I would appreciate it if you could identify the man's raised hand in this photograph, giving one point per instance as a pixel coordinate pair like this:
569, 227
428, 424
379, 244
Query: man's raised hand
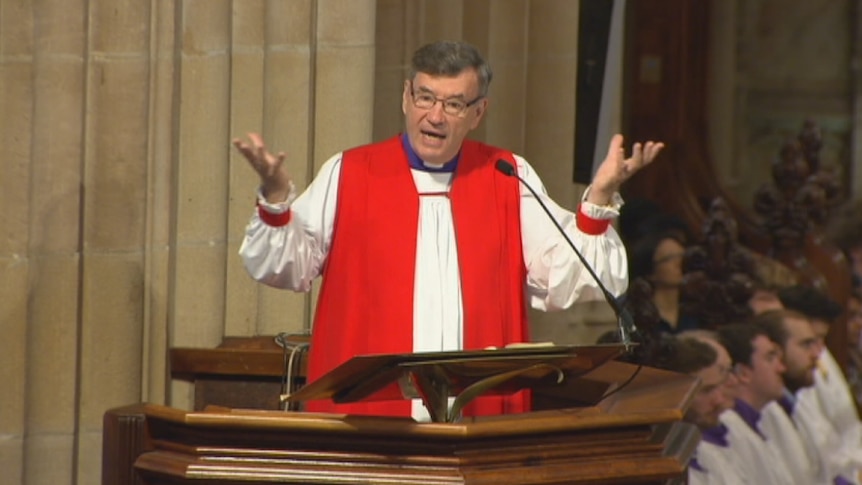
274, 179
616, 168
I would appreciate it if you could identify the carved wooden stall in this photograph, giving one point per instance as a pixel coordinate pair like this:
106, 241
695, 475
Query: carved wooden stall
786, 229
785, 222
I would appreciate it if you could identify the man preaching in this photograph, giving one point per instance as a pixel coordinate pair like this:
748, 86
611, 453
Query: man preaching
422, 244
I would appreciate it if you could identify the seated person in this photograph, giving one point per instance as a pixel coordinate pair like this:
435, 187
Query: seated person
710, 337
764, 298
769, 278
758, 367
713, 461
808, 429
657, 258
831, 389
854, 344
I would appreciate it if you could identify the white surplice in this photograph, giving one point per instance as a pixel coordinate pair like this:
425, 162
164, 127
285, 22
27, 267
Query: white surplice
840, 458
757, 458
719, 466
803, 462
291, 256
834, 399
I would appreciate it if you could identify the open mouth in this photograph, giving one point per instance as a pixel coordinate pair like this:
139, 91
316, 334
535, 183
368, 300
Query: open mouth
431, 134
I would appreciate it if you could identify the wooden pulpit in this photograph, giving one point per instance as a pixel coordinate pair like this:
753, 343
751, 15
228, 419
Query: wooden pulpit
634, 434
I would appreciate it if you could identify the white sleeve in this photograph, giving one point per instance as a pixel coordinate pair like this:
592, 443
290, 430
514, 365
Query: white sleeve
292, 255
556, 278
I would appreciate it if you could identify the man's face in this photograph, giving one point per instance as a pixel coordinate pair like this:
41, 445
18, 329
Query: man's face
714, 395
730, 384
800, 353
667, 263
435, 135
764, 375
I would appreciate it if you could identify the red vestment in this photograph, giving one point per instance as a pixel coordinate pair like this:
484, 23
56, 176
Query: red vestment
365, 304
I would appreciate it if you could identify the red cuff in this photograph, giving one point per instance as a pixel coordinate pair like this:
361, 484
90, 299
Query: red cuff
591, 226
274, 220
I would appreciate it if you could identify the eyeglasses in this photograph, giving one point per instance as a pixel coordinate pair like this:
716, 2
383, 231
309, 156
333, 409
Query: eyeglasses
451, 106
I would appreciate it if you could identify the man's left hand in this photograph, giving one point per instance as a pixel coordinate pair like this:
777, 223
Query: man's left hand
616, 168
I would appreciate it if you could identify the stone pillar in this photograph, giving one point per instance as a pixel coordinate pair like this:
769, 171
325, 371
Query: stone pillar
200, 168
123, 203
16, 103
550, 95
54, 239
499, 29
114, 218
305, 81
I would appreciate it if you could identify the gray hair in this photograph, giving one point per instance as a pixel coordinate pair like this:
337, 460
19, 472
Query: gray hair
450, 58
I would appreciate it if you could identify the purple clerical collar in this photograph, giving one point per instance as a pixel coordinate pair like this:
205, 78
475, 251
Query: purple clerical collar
416, 163
748, 414
717, 435
696, 465
787, 401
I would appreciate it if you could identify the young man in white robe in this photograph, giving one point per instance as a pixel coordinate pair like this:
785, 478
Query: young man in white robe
831, 391
699, 354
758, 368
834, 462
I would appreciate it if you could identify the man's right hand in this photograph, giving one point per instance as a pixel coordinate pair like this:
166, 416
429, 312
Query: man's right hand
274, 180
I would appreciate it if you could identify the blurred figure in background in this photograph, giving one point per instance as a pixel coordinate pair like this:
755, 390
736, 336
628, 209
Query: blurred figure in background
831, 392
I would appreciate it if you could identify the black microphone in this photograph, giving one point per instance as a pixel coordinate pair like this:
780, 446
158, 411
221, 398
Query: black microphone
625, 322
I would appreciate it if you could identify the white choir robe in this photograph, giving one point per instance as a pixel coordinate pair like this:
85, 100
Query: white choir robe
835, 400
291, 256
757, 459
801, 460
834, 452
719, 466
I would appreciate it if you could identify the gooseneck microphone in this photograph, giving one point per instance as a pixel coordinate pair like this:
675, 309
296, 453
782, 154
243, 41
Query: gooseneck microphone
625, 322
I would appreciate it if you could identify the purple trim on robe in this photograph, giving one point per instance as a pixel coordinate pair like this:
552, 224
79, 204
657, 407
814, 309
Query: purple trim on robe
748, 414
416, 163
787, 401
839, 480
693, 463
717, 435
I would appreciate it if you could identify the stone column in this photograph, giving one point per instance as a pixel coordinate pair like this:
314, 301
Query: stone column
17, 49
54, 239
114, 212
499, 29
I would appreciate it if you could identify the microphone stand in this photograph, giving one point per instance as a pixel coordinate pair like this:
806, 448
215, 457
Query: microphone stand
625, 322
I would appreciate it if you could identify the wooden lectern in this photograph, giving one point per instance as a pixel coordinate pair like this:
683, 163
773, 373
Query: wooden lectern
634, 435
445, 382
